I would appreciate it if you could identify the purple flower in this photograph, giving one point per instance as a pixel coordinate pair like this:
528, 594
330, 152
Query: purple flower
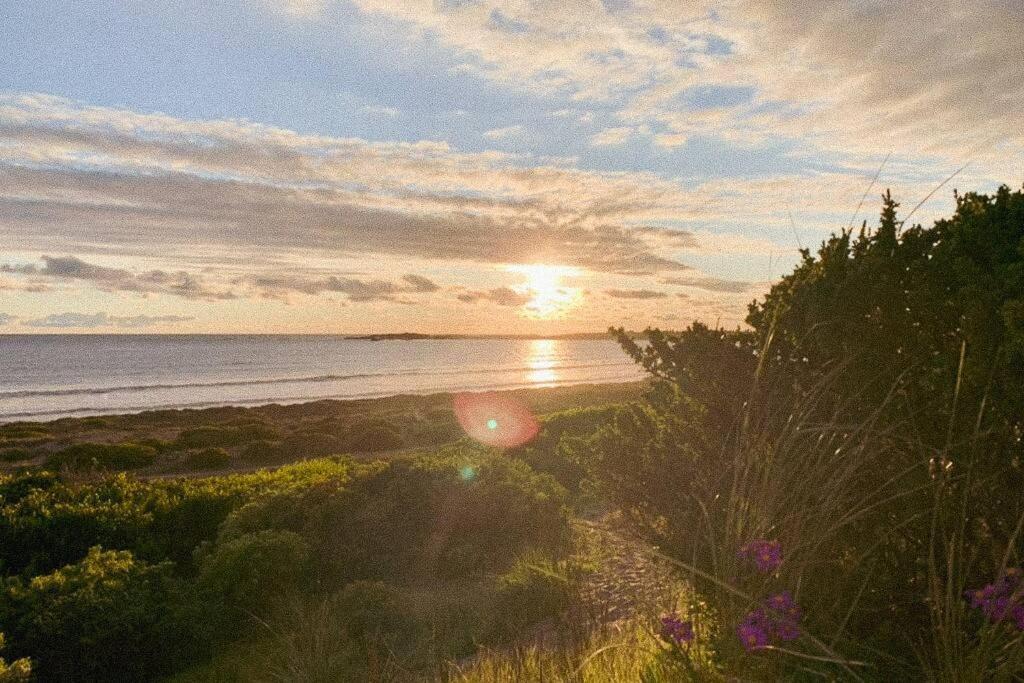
766, 555
783, 604
998, 608
1018, 617
786, 631
755, 630
1001, 599
752, 635
785, 615
675, 630
778, 620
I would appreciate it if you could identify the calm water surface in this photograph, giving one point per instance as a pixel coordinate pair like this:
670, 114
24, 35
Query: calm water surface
49, 376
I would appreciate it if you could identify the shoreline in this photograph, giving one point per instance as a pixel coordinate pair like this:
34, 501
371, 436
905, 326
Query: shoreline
54, 416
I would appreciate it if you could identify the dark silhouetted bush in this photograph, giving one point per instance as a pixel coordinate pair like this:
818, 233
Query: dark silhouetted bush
302, 445
371, 436
206, 437
16, 454
262, 451
208, 458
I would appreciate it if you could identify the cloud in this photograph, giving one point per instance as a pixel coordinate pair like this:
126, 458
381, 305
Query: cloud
300, 8
377, 110
635, 294
180, 283
354, 289
33, 285
710, 284
671, 140
7, 318
190, 286
844, 76
84, 320
418, 283
502, 296
504, 133
154, 185
612, 136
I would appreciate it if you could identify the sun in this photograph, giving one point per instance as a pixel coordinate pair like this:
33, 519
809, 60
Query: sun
549, 297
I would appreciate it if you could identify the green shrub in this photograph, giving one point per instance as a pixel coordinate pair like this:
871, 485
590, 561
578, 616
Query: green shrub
370, 611
45, 523
253, 573
158, 445
256, 431
99, 619
534, 589
550, 451
302, 445
262, 451
362, 633
208, 458
94, 423
122, 456
13, 489
450, 514
24, 430
16, 454
206, 437
371, 436
15, 672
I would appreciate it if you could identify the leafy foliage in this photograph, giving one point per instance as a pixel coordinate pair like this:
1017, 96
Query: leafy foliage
16, 671
870, 422
96, 619
194, 564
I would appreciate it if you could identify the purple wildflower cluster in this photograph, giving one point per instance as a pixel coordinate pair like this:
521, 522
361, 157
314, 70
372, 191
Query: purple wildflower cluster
766, 555
675, 630
777, 620
1002, 599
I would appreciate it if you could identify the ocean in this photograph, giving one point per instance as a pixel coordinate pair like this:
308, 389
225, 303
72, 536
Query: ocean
45, 377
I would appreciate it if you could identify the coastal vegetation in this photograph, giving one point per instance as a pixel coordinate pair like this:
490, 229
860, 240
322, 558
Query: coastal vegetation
835, 492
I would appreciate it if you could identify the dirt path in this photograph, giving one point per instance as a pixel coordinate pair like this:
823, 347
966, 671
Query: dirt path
627, 581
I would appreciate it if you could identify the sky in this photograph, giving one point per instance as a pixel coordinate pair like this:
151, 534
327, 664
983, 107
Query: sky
466, 166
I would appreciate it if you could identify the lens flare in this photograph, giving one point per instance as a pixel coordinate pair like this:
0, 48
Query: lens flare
495, 419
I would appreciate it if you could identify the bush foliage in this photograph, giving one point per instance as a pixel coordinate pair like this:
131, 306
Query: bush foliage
128, 580
870, 423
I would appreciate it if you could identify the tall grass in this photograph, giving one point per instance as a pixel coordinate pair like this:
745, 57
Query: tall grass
881, 535
631, 654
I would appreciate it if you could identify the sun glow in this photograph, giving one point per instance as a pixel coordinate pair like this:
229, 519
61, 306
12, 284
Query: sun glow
549, 298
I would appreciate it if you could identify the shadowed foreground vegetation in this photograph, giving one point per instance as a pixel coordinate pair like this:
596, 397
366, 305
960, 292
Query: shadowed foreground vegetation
835, 493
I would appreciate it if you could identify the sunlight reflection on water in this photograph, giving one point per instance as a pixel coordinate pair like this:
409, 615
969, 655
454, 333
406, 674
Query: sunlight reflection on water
541, 359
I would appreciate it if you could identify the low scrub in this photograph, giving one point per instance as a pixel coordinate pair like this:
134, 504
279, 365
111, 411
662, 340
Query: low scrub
103, 456
100, 619
208, 459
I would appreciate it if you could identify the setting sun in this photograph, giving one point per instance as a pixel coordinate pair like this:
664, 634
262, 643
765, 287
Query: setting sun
549, 297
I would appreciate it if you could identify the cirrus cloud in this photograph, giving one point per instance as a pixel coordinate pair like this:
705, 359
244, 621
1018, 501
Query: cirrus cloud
94, 320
